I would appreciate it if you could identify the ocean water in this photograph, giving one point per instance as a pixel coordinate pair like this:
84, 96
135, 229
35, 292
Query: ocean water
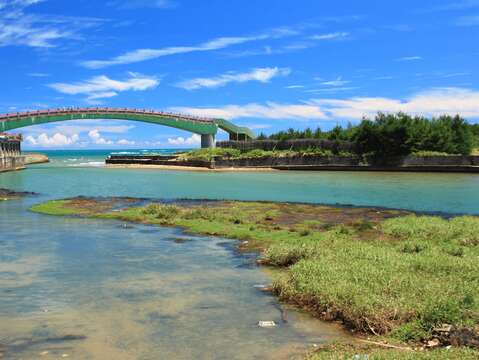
72, 173
91, 289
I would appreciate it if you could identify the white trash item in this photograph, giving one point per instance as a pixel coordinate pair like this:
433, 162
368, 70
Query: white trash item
266, 324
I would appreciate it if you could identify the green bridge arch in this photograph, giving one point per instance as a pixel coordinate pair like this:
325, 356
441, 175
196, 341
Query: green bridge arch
206, 127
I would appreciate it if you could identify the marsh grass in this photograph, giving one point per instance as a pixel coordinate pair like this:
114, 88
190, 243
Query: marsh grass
398, 277
361, 352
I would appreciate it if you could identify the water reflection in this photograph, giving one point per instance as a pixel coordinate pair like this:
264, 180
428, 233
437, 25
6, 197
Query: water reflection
91, 289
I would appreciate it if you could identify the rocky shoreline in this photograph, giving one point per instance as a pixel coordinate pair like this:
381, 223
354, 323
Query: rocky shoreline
6, 194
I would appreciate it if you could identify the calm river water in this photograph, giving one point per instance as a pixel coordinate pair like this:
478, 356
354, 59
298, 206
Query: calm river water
92, 289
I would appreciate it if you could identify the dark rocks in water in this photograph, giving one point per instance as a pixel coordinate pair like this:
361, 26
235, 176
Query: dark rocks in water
179, 240
26, 343
65, 338
11, 193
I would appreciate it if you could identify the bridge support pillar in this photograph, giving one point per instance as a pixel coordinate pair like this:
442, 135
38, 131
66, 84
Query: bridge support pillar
208, 141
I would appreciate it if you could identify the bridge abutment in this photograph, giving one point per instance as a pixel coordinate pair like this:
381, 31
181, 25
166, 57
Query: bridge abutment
10, 153
208, 141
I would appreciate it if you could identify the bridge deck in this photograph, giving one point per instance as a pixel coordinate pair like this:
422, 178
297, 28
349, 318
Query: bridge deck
195, 124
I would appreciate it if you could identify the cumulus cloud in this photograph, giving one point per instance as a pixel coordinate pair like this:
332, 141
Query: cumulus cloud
194, 139
259, 74
125, 142
97, 139
434, 102
76, 127
269, 110
57, 140
100, 87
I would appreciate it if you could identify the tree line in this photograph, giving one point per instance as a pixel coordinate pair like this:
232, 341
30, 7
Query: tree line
397, 135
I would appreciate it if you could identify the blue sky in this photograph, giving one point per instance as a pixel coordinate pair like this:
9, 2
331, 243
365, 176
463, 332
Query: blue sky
269, 64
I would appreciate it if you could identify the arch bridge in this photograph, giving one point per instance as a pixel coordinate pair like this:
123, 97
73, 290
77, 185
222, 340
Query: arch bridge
206, 127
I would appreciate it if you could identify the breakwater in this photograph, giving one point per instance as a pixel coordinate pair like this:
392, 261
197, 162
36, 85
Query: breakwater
10, 153
456, 163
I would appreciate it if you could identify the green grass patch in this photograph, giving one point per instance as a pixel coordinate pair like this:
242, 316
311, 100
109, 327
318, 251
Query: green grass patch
225, 153
397, 277
358, 352
55, 207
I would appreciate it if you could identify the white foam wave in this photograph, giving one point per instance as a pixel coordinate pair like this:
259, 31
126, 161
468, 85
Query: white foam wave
89, 164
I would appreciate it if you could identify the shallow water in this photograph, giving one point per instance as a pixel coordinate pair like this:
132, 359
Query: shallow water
135, 292
97, 290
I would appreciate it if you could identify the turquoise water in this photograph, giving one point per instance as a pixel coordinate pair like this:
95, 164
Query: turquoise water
94, 289
73, 173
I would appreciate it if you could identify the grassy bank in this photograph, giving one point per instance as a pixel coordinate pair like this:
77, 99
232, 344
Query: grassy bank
381, 272
225, 153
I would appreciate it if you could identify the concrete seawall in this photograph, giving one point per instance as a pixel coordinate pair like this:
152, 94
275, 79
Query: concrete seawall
11, 157
316, 162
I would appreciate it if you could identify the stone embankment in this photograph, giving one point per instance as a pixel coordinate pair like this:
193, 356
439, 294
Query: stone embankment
10, 153
316, 162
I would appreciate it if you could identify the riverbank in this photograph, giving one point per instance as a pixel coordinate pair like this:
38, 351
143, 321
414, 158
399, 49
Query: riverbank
232, 159
188, 168
383, 273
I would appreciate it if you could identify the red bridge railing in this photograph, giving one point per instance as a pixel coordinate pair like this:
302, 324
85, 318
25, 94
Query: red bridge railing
66, 111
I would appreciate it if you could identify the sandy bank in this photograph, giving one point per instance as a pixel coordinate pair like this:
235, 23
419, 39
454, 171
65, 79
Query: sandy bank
31, 159
188, 168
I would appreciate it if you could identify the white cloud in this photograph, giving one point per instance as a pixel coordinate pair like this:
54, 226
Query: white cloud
270, 110
38, 74
330, 36
259, 74
18, 28
338, 82
410, 58
57, 140
100, 87
80, 128
295, 87
435, 102
97, 139
125, 142
194, 139
214, 44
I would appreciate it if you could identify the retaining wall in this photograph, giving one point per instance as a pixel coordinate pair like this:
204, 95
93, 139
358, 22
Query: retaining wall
317, 162
10, 154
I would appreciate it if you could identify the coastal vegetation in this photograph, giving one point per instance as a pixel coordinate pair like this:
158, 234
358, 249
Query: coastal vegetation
233, 154
393, 275
390, 135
